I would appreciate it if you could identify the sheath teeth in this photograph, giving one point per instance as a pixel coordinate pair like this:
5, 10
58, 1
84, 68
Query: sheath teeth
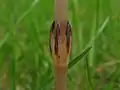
60, 42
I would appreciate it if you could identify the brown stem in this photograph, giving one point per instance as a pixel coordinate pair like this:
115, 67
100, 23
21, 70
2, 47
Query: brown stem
60, 59
61, 77
61, 7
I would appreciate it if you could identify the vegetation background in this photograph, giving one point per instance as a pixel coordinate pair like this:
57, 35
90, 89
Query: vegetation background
25, 61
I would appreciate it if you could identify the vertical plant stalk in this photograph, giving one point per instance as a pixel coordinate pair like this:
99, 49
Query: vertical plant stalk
61, 7
60, 77
93, 31
60, 44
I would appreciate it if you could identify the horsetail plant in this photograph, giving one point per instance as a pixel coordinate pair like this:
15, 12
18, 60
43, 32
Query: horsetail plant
60, 44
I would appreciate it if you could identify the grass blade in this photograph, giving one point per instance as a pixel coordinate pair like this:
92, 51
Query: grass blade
26, 12
88, 73
77, 58
4, 40
100, 30
89, 46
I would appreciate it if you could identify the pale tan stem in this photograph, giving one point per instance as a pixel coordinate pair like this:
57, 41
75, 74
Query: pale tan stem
60, 77
60, 65
61, 7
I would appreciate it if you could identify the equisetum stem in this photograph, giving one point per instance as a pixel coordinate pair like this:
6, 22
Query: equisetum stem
61, 7
60, 42
60, 47
61, 77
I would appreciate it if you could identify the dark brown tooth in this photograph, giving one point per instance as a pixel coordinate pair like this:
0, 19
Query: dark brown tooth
51, 33
68, 35
52, 26
50, 43
57, 30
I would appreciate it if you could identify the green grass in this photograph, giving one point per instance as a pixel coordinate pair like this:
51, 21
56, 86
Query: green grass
24, 44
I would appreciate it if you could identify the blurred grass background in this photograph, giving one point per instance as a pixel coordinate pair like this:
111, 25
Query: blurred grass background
25, 61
